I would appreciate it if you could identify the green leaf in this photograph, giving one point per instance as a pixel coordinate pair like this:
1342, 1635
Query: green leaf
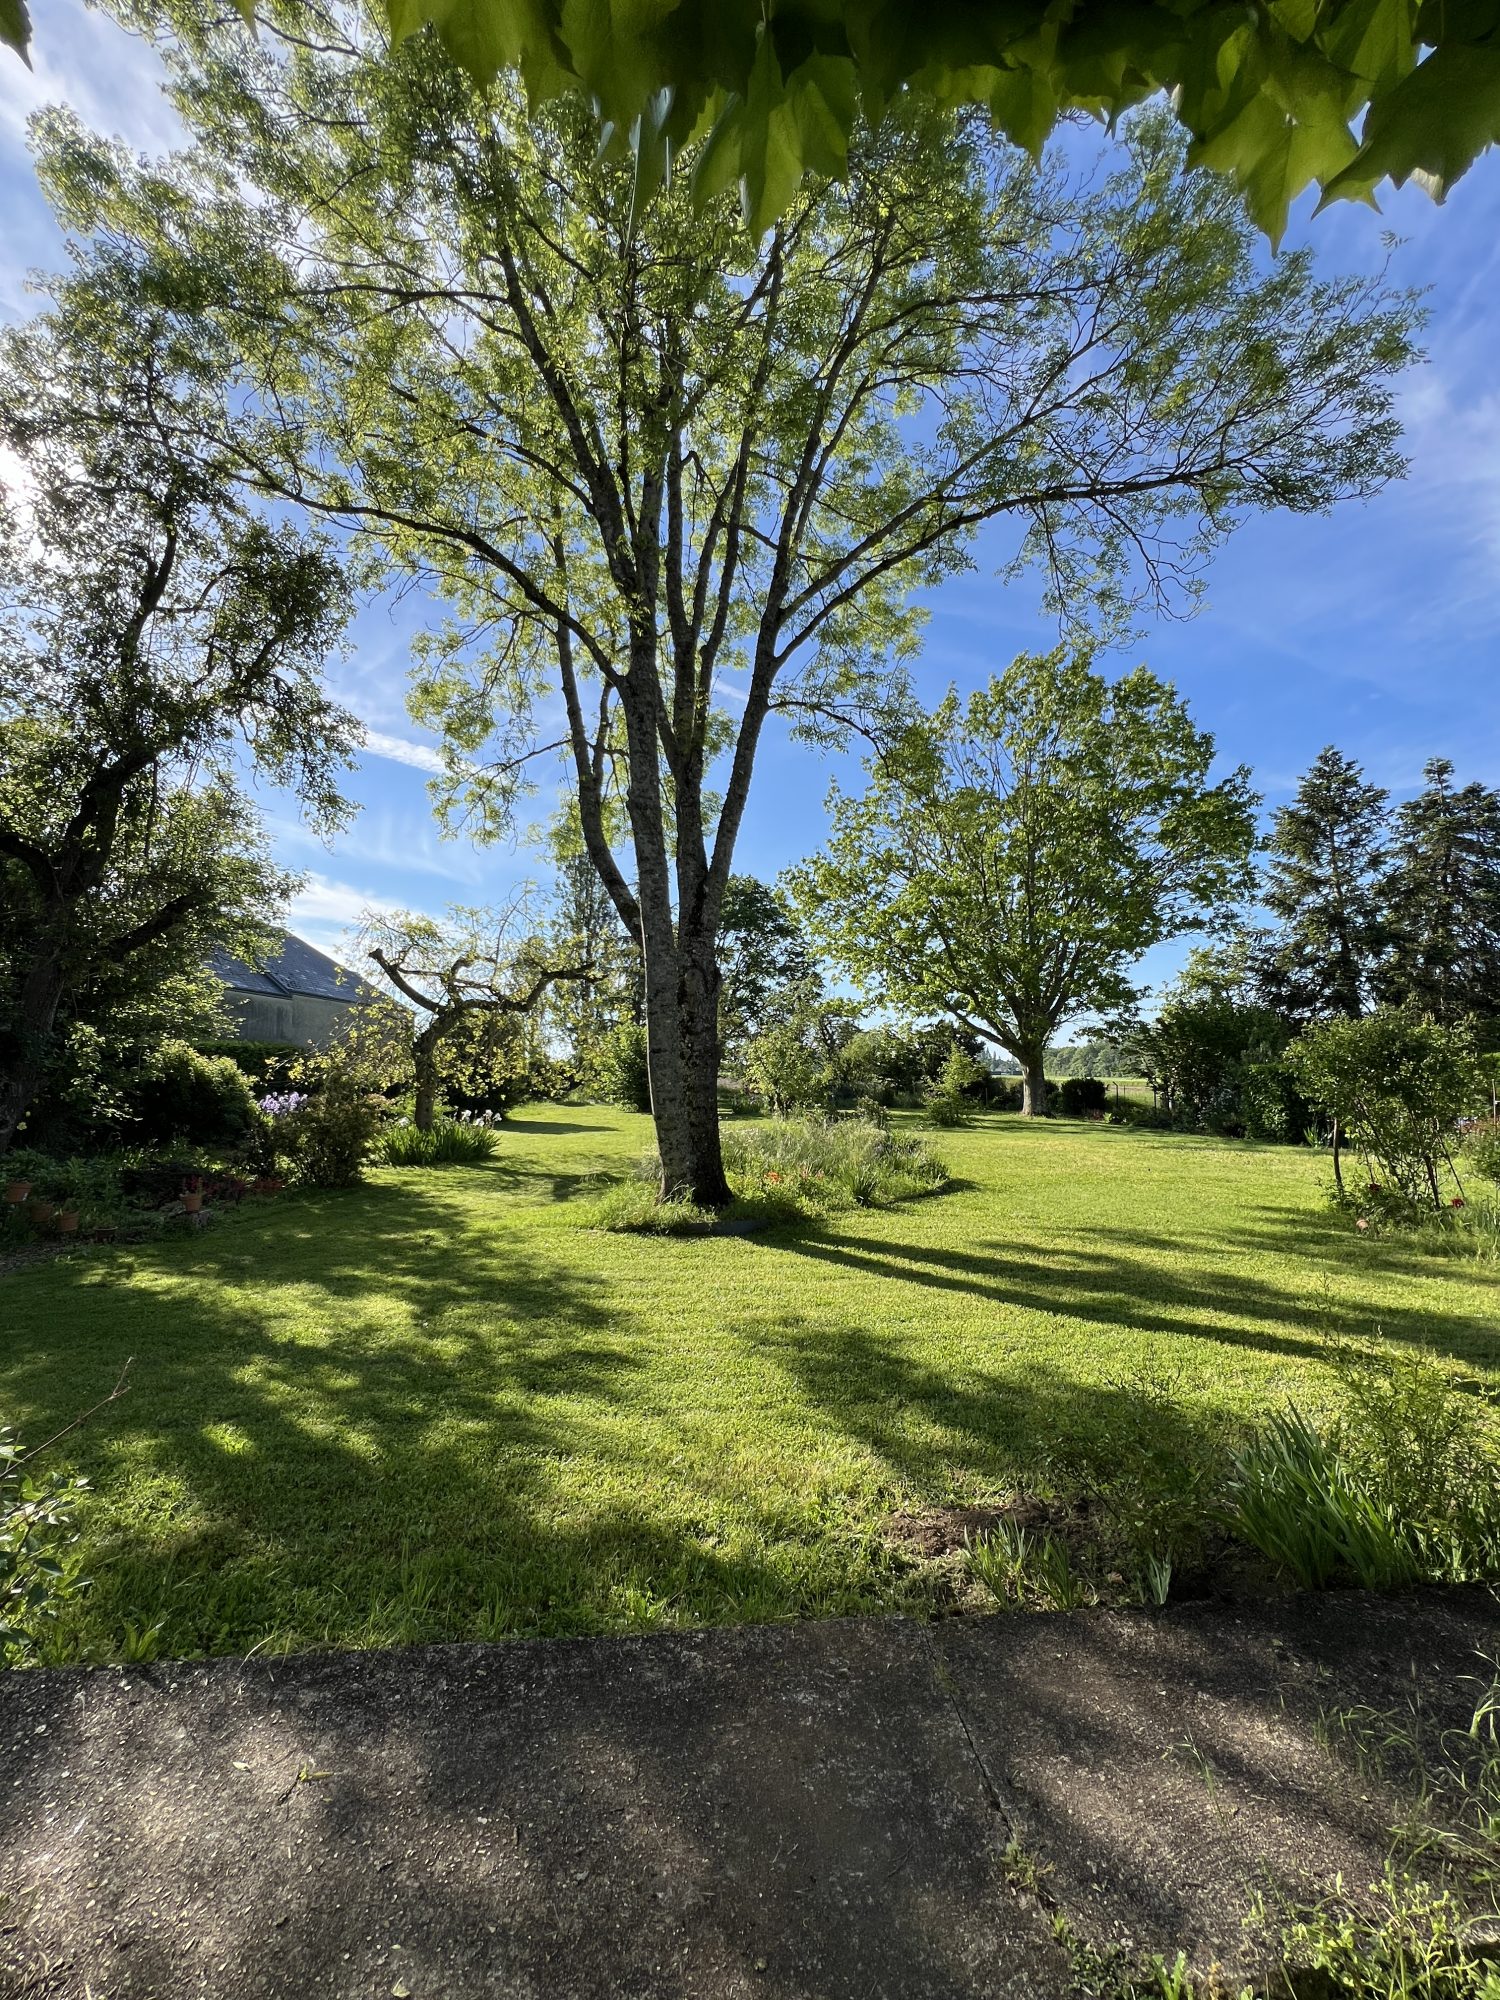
1024, 107
15, 28
1374, 40
1433, 125
771, 144
824, 96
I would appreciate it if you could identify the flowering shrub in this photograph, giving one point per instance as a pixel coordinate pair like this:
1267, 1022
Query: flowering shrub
282, 1103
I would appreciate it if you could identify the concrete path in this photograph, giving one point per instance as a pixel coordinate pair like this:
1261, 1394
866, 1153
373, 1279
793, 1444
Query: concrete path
862, 1808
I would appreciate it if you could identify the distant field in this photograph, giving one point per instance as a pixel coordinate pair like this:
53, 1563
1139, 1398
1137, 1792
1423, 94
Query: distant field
437, 1407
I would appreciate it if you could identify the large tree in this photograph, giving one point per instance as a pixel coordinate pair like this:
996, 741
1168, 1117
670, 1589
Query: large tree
1326, 853
675, 480
1442, 901
154, 635
1272, 93
1013, 854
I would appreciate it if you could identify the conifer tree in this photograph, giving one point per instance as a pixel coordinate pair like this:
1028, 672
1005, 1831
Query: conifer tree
1323, 883
1442, 896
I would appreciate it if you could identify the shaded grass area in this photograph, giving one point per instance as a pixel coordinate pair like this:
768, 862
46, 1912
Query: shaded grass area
437, 1407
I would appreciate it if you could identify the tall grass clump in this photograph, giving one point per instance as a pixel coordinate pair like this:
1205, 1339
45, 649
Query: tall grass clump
1401, 1486
448, 1144
825, 1164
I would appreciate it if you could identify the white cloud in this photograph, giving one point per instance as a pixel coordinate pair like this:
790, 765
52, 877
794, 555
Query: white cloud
401, 750
80, 58
324, 902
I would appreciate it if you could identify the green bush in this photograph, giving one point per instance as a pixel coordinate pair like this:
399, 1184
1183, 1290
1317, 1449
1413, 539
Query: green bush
947, 1098
1397, 1086
620, 1073
1082, 1096
450, 1143
268, 1065
328, 1139
1481, 1150
1403, 1485
199, 1100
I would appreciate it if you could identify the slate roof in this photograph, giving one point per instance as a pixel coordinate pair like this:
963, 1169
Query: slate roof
297, 968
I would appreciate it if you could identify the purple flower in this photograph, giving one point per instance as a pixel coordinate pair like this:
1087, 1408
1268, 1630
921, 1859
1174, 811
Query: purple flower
281, 1104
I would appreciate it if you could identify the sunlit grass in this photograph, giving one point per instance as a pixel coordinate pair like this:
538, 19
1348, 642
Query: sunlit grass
439, 1407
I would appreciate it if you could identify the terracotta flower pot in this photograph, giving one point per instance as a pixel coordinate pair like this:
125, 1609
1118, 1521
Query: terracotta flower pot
40, 1212
191, 1203
17, 1191
66, 1221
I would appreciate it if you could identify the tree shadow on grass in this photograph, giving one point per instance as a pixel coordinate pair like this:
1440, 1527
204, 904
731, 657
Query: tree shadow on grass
1142, 1291
420, 1428
935, 1429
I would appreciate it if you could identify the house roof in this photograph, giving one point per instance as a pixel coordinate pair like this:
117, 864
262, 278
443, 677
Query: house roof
295, 968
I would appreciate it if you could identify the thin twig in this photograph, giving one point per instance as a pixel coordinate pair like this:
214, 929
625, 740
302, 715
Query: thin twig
121, 1388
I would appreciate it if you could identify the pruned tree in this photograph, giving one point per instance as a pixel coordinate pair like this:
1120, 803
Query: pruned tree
675, 481
1013, 855
469, 967
154, 634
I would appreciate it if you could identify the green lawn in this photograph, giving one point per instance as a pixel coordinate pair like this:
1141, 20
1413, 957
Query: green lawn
437, 1407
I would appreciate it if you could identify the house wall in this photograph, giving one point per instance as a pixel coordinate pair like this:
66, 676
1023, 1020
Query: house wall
298, 1017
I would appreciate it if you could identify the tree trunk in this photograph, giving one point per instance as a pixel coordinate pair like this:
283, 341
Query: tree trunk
700, 1035
1034, 1085
424, 1062
36, 1017
424, 1116
682, 1061
681, 976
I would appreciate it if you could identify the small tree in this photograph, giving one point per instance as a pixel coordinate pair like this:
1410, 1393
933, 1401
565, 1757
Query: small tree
470, 966
1014, 854
1395, 1086
764, 961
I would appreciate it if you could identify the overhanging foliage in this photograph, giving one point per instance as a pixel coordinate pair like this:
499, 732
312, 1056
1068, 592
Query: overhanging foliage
1279, 93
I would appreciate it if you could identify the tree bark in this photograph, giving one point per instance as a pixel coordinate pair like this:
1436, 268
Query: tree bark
424, 1052
424, 1112
700, 1038
1034, 1084
36, 1017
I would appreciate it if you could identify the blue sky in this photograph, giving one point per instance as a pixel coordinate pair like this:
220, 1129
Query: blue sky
1377, 628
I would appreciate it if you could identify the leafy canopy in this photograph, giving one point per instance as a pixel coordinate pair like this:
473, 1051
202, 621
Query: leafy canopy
1013, 854
155, 634
675, 481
